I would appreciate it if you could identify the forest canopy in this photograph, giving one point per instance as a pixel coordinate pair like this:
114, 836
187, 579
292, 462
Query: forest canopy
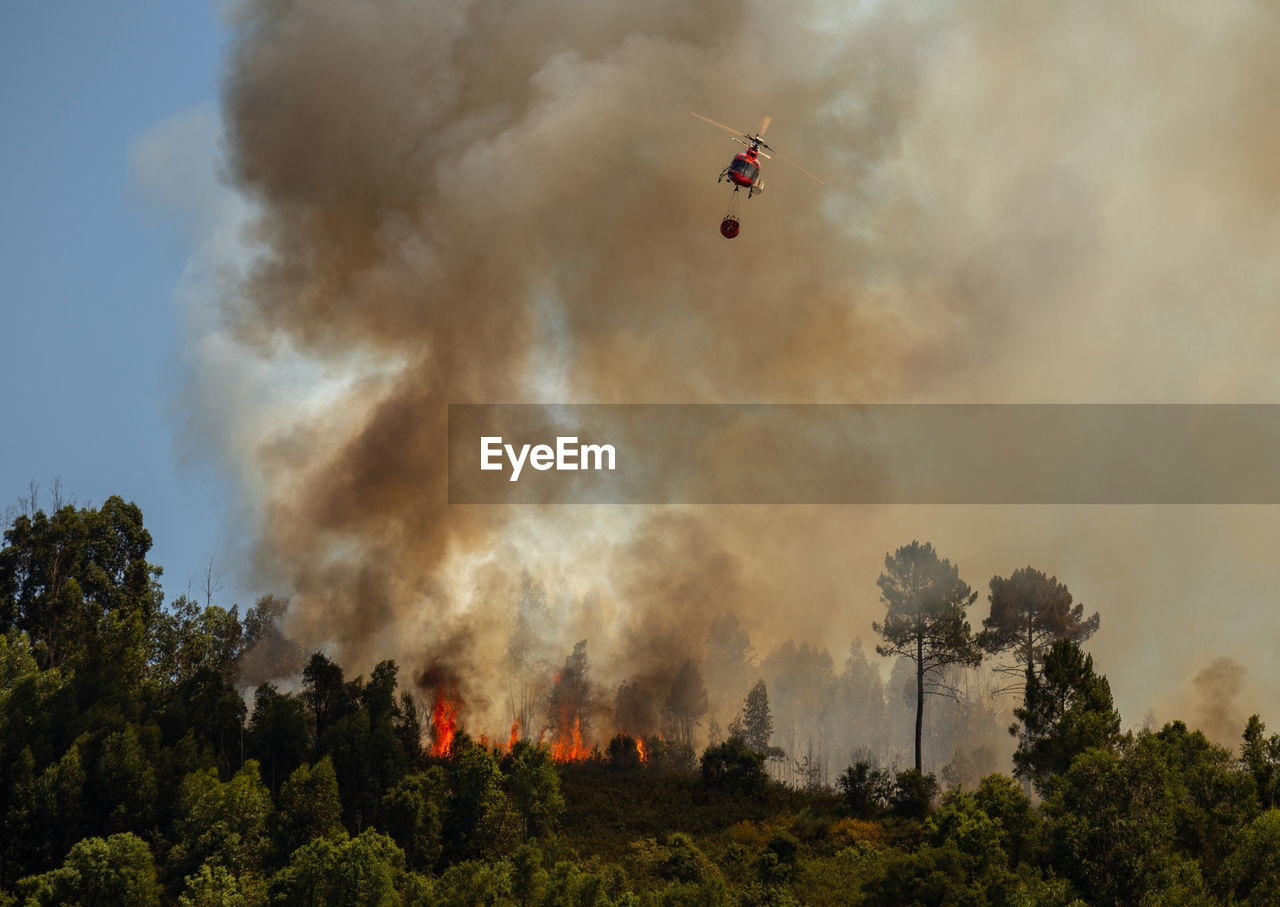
145, 760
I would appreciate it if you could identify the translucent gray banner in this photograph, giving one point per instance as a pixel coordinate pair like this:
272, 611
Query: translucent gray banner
864, 454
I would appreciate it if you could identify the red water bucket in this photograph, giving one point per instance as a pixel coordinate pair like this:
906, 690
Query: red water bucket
729, 227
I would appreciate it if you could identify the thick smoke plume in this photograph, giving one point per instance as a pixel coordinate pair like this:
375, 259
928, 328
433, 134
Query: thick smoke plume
507, 202
485, 204
1219, 714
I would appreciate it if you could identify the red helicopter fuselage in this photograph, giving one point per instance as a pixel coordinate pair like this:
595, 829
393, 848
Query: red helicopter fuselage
745, 169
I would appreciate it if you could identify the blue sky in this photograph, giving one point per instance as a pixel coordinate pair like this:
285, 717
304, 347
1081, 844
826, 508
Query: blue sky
91, 330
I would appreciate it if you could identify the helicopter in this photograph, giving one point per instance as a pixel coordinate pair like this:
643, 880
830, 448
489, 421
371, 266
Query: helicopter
744, 170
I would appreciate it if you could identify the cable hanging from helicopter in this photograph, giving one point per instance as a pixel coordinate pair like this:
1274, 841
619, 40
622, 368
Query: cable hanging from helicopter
729, 224
744, 170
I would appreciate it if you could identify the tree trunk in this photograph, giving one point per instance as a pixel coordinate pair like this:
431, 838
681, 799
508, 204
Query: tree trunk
1031, 670
1026, 730
919, 696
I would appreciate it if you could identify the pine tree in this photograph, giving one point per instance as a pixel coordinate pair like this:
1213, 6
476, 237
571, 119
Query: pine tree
925, 622
1068, 709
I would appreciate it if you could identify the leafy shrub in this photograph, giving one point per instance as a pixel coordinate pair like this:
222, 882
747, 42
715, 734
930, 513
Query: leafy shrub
735, 767
913, 794
865, 790
848, 832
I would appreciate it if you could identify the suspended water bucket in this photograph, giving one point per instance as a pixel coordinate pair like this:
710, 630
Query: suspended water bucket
729, 227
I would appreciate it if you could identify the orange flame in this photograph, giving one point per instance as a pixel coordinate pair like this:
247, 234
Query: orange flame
444, 722
498, 747
568, 744
644, 759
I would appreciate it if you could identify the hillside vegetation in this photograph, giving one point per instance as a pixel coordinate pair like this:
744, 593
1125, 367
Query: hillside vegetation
136, 768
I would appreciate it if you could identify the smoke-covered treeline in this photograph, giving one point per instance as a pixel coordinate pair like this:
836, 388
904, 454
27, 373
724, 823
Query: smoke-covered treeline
824, 714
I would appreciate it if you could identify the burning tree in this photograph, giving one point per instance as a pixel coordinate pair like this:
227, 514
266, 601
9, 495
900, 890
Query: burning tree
569, 707
634, 711
625, 751
925, 622
440, 685
444, 721
635, 715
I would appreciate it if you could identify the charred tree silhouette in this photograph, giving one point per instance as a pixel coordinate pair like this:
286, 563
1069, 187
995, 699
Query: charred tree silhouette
686, 702
569, 706
634, 712
925, 621
526, 678
729, 664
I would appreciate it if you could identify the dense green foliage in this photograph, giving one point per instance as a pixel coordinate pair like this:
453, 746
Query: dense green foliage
1066, 710
139, 765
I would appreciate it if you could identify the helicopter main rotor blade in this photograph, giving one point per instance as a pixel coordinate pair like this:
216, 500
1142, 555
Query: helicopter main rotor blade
718, 125
756, 141
783, 157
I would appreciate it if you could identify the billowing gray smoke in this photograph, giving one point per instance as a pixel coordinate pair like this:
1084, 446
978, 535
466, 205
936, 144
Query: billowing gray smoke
507, 201
498, 200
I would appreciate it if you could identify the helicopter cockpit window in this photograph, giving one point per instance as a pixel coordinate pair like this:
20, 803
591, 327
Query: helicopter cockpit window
745, 168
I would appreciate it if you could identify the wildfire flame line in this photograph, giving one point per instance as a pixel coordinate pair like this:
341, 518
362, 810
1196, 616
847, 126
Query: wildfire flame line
444, 722
568, 743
